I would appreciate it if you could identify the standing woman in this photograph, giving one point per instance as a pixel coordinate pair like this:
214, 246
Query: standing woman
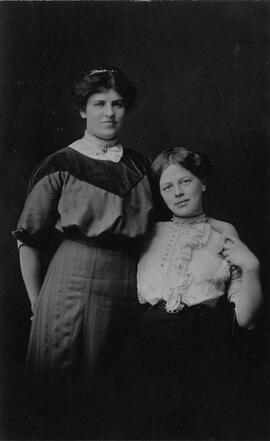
97, 193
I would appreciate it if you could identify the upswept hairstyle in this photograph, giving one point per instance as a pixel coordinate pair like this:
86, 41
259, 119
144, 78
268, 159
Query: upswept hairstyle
198, 163
99, 78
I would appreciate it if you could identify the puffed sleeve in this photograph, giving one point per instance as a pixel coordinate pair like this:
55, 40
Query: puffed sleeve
40, 212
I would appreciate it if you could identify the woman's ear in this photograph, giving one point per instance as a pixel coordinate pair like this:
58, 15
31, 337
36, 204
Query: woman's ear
83, 113
203, 181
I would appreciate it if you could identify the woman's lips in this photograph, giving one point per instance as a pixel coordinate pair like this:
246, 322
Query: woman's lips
181, 203
110, 123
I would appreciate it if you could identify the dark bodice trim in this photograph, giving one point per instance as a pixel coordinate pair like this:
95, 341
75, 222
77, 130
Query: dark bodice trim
118, 178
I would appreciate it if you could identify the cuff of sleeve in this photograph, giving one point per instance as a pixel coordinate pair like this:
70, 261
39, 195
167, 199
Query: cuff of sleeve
24, 237
20, 244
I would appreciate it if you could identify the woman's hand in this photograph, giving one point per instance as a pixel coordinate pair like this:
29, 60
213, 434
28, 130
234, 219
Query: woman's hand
225, 229
249, 302
33, 305
238, 254
30, 262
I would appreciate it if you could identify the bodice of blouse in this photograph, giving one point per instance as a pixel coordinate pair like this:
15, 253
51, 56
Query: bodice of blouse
181, 266
75, 193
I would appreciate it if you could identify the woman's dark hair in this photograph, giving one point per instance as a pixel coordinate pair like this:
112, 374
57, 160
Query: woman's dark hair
198, 163
99, 78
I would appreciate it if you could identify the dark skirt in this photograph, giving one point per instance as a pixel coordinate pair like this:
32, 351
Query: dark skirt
85, 311
176, 378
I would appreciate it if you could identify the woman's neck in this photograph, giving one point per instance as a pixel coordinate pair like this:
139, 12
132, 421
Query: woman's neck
99, 143
196, 218
96, 148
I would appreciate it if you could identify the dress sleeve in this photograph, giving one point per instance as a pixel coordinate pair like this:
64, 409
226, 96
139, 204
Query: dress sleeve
40, 212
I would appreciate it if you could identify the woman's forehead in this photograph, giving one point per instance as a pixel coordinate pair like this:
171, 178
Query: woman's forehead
104, 94
174, 171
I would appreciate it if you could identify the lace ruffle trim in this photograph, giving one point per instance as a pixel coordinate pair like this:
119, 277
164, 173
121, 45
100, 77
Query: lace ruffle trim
194, 237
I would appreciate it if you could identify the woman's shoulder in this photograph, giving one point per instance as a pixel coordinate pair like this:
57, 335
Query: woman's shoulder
61, 160
222, 227
57, 159
164, 225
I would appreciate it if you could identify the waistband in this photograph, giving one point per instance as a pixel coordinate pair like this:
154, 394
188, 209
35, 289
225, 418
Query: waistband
201, 308
106, 241
222, 315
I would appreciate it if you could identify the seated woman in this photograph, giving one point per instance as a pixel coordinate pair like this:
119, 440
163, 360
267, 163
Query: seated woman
180, 266
181, 380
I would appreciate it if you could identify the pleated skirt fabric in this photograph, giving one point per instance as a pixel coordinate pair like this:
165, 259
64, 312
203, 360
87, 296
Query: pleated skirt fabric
85, 311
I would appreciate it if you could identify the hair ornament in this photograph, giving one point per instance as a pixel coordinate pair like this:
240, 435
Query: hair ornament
97, 71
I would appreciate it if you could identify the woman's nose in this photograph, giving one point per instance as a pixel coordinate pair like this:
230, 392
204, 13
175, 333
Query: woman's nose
109, 110
178, 190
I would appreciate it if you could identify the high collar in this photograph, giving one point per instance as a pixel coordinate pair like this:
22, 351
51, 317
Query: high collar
198, 218
97, 143
97, 148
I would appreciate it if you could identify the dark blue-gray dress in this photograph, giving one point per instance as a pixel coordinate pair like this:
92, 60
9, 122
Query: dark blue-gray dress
88, 302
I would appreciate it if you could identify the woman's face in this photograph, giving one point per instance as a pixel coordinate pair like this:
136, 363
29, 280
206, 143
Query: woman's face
181, 191
104, 113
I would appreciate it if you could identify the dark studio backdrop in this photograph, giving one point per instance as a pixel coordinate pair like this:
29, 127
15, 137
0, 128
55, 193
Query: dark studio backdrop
202, 70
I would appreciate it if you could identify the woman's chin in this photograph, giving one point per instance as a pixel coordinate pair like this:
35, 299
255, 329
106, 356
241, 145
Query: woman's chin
185, 213
108, 135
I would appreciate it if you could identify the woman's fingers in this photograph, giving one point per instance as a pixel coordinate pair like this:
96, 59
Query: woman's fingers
235, 252
230, 242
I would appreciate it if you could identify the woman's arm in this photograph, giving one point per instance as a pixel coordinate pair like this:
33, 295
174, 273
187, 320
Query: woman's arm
250, 299
30, 262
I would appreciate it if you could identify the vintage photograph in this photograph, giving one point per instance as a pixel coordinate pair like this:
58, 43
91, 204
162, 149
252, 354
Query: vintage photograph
135, 217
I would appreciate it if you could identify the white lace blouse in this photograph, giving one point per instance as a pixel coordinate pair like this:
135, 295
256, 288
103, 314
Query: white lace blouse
181, 266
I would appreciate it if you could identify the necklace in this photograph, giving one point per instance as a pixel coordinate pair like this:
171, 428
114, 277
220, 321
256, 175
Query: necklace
107, 149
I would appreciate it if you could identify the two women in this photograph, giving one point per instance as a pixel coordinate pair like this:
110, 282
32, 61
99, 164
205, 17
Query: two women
99, 195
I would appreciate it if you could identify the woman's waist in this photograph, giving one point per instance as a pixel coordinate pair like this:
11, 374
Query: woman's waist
105, 241
200, 309
101, 262
209, 314
109, 223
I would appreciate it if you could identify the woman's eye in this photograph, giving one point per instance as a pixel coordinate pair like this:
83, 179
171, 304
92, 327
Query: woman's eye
119, 104
167, 188
186, 181
99, 104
